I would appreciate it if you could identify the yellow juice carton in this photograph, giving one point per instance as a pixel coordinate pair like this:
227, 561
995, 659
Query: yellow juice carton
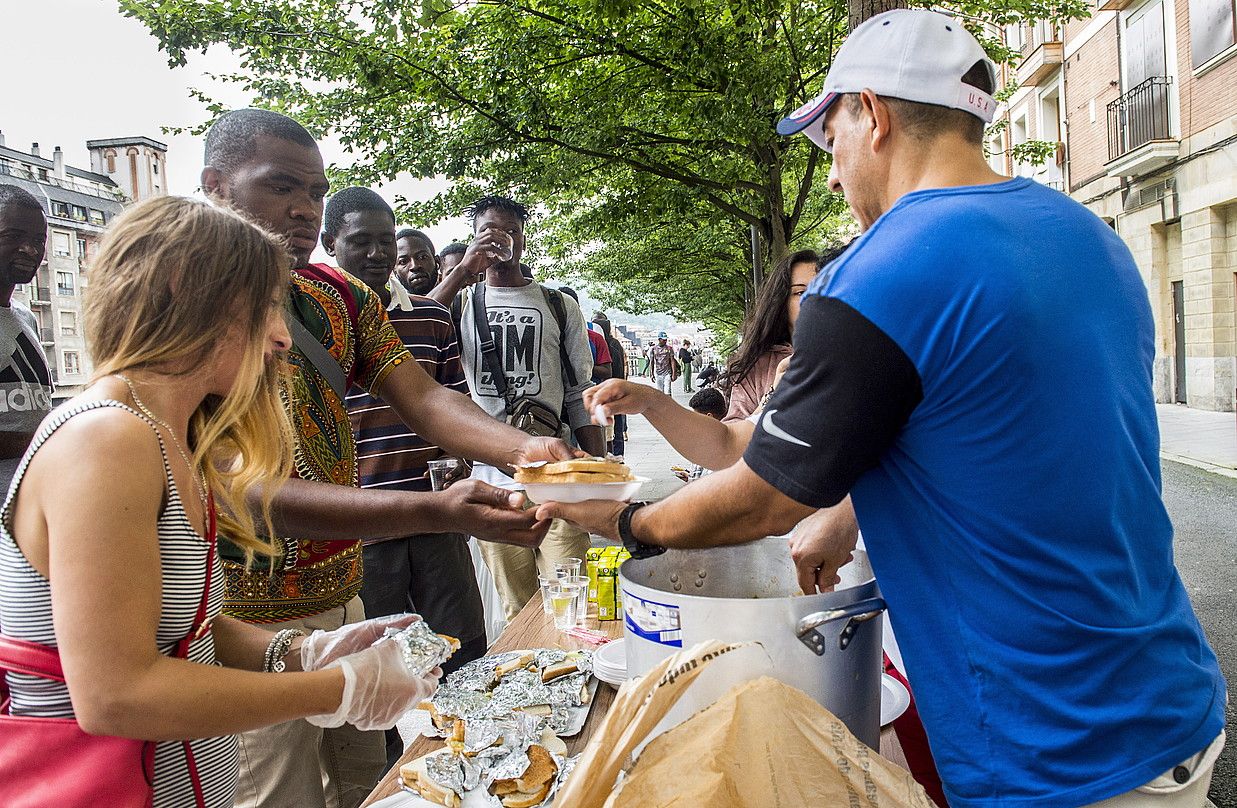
591, 558
607, 589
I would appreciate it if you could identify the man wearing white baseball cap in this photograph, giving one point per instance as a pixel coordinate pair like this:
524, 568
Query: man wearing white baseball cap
975, 371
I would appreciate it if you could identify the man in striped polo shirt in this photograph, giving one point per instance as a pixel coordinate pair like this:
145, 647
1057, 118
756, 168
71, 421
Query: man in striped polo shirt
429, 573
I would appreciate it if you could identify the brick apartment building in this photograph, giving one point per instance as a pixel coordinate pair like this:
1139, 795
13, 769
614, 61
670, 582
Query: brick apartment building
78, 204
1141, 99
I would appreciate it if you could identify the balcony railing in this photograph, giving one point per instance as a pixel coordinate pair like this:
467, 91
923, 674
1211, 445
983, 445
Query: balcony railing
1139, 117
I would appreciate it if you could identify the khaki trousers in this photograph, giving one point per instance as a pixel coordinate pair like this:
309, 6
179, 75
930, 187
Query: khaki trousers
1166, 791
515, 569
298, 765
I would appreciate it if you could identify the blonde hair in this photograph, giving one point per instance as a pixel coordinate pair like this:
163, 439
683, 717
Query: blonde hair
170, 276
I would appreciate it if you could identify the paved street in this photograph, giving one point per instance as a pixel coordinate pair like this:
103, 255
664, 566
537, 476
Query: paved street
1203, 507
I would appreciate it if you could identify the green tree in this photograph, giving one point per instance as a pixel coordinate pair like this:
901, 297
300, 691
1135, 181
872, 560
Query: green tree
643, 129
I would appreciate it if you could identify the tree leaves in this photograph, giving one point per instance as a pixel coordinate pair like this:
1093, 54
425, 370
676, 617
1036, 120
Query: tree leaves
642, 130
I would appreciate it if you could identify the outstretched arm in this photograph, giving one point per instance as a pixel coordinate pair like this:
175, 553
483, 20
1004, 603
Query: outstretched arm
697, 437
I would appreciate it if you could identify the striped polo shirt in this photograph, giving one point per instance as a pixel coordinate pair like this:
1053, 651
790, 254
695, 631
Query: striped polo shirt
389, 454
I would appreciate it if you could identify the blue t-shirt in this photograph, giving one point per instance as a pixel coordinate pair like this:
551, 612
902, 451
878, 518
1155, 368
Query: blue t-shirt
976, 371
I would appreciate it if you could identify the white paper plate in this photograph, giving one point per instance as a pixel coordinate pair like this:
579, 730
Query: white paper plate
610, 663
579, 492
895, 698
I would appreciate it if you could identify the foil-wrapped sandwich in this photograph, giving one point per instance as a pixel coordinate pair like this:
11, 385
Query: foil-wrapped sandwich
422, 649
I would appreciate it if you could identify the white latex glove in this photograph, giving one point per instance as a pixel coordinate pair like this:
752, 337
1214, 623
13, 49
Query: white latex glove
321, 648
378, 689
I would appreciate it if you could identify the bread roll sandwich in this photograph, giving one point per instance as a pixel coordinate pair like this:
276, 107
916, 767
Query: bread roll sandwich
581, 470
532, 787
418, 779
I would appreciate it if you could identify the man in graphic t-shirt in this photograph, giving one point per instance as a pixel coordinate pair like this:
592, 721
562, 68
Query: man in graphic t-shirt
538, 359
25, 381
984, 397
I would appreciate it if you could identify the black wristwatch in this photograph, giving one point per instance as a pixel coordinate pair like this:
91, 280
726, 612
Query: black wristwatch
637, 548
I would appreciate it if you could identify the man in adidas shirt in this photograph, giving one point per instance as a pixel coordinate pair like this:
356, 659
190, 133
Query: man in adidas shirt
25, 381
984, 395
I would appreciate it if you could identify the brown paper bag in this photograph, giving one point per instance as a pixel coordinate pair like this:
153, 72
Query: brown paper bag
637, 709
765, 745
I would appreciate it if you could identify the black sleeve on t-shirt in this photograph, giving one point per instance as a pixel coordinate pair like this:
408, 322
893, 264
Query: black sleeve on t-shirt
848, 392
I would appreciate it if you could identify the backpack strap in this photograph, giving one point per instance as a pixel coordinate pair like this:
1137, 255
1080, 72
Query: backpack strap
489, 352
555, 299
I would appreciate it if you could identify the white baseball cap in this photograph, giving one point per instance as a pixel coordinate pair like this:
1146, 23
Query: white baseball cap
912, 54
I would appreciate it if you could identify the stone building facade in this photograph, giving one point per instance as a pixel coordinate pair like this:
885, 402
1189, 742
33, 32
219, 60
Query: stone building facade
79, 204
1141, 99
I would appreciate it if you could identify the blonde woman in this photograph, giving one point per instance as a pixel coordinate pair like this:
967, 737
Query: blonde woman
107, 536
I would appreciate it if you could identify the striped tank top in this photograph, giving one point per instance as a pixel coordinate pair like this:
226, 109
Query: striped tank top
26, 613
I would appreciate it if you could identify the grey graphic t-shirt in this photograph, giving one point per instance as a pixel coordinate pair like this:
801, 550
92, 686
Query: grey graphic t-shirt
25, 381
526, 337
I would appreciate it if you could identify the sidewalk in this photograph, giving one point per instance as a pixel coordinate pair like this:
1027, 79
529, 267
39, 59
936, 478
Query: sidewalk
650, 455
1200, 438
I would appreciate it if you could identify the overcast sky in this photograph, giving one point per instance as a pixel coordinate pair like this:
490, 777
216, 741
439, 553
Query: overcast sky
78, 70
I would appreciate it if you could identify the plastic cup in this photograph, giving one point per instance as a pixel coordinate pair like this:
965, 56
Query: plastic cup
568, 567
582, 600
440, 471
563, 599
546, 582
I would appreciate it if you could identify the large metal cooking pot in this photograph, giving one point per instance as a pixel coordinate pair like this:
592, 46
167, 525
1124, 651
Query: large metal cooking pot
827, 645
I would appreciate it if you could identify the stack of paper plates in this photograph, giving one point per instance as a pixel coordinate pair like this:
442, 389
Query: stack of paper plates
610, 663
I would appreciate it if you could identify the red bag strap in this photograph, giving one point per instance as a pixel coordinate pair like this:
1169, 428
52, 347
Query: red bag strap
31, 658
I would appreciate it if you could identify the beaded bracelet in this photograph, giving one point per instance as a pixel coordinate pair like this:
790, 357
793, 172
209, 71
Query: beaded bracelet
281, 644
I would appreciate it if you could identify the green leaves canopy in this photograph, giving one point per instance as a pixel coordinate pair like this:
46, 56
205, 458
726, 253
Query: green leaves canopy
642, 129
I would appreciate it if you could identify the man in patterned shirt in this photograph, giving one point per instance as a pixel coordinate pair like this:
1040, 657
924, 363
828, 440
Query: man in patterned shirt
269, 167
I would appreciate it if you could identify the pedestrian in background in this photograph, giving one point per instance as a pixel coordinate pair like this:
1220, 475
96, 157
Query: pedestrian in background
618, 357
685, 360
663, 364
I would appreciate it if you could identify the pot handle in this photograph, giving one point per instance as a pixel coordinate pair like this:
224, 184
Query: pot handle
859, 612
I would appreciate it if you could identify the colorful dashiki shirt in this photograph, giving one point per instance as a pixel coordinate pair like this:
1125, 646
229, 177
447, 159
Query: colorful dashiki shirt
349, 320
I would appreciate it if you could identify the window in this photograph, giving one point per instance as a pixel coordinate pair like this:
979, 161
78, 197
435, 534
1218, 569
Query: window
1018, 136
68, 323
60, 209
81, 248
72, 365
996, 153
60, 244
1143, 41
1211, 29
64, 283
155, 167
97, 217
79, 213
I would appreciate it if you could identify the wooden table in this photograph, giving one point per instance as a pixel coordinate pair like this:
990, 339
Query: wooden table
533, 628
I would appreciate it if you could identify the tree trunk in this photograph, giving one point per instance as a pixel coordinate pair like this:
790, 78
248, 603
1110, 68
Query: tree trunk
859, 10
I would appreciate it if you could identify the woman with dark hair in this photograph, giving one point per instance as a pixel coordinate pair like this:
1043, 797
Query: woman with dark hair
767, 330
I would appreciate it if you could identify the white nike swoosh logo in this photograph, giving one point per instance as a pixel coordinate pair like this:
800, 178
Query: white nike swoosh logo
776, 431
